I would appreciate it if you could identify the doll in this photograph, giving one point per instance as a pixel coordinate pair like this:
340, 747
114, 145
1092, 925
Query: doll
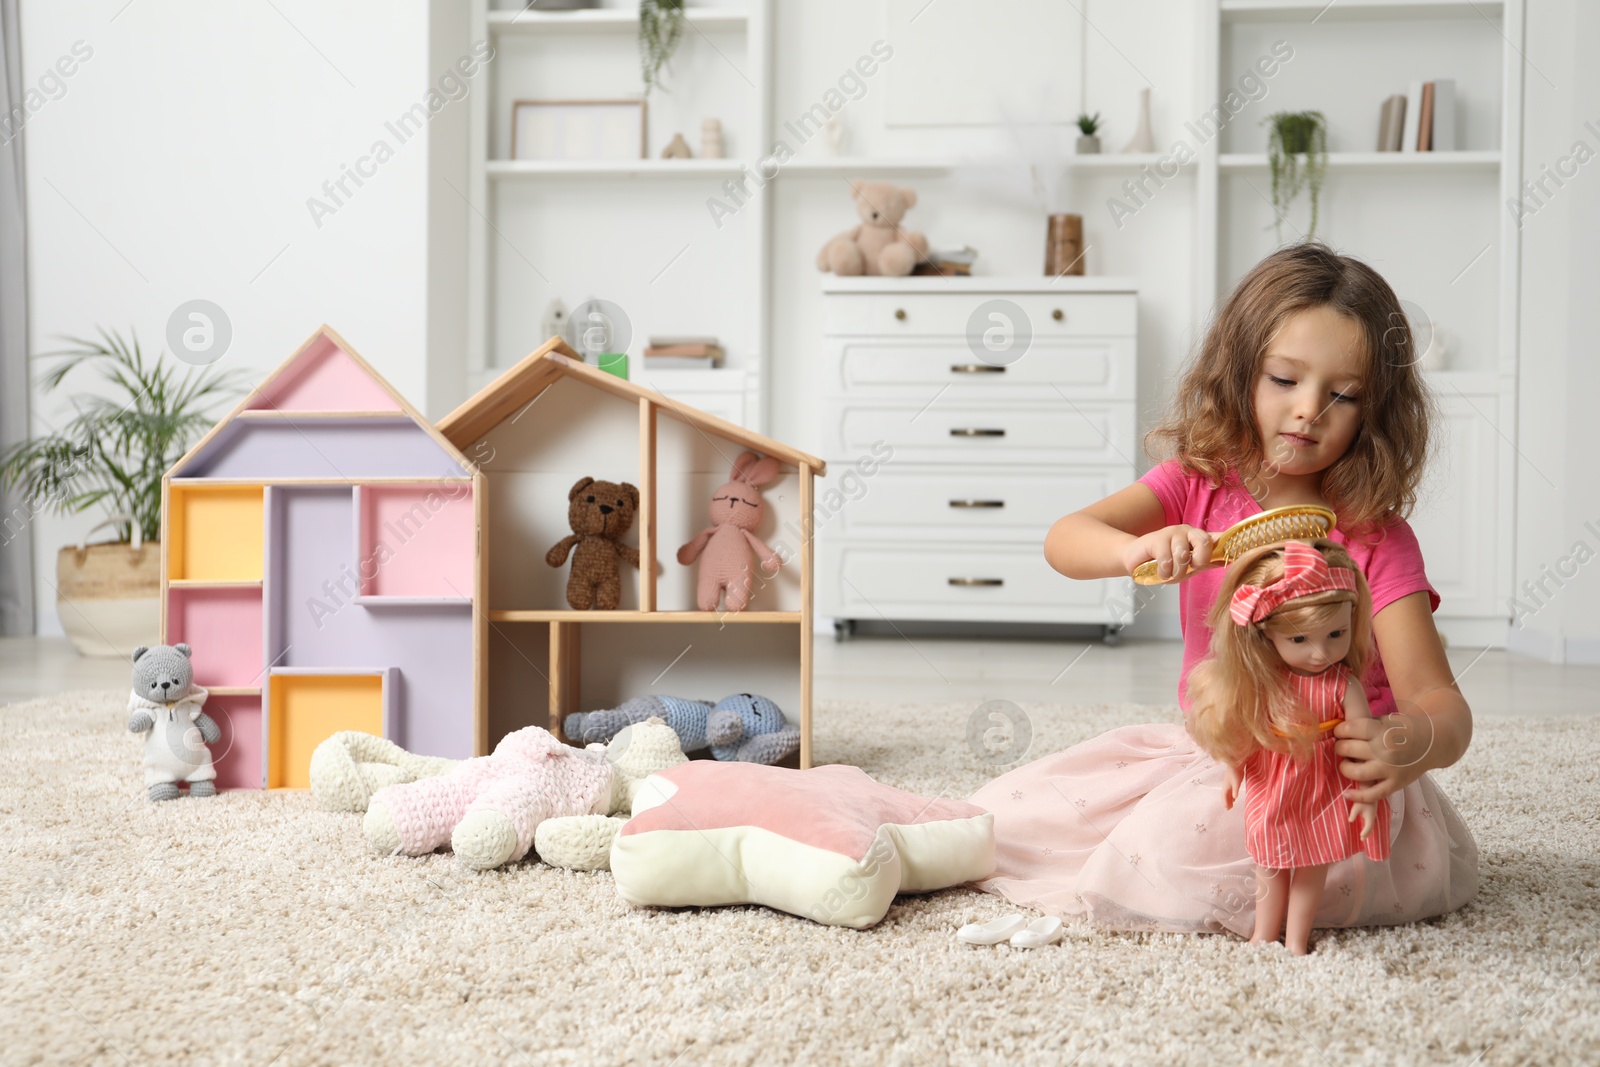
1291, 638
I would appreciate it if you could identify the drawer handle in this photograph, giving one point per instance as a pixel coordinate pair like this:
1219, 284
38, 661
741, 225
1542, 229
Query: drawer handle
900, 313
975, 368
1058, 314
975, 431
977, 581
977, 503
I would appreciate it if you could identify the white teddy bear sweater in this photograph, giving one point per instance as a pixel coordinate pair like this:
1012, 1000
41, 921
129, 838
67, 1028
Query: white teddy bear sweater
173, 748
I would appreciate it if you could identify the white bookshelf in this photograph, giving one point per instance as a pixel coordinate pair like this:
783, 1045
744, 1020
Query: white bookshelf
1382, 206
633, 232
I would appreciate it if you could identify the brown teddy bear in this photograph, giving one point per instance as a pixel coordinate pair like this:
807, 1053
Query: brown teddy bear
878, 245
599, 514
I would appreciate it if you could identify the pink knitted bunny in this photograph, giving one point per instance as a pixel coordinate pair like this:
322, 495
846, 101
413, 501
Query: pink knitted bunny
488, 808
736, 509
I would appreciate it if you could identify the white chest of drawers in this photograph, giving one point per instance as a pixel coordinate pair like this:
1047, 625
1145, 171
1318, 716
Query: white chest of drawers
961, 417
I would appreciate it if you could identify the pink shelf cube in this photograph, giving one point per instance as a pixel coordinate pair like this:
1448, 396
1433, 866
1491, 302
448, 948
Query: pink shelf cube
224, 628
237, 754
415, 541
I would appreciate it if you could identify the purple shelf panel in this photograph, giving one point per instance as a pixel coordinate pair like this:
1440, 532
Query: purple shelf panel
312, 448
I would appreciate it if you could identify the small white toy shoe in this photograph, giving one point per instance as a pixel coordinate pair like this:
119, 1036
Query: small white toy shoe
992, 932
1037, 934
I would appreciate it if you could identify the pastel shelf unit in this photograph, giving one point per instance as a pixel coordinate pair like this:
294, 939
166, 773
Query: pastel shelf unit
535, 431
323, 523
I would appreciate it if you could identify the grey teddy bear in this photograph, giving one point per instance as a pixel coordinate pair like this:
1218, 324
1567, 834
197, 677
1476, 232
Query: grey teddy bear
165, 706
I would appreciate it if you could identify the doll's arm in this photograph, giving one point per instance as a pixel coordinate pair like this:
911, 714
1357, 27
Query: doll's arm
630, 553
1355, 701
558, 554
1432, 724
1230, 788
769, 559
691, 551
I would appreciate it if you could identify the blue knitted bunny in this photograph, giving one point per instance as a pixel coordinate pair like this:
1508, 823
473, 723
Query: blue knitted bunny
741, 727
751, 729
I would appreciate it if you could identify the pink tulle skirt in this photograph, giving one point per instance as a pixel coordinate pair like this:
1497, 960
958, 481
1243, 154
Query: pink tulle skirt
1128, 830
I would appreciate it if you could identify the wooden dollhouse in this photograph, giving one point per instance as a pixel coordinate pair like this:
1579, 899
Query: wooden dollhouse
530, 434
320, 552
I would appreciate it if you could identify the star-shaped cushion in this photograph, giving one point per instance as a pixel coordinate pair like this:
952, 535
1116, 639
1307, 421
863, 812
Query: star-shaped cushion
828, 844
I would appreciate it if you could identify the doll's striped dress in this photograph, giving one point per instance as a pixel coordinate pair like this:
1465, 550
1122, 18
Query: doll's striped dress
1295, 813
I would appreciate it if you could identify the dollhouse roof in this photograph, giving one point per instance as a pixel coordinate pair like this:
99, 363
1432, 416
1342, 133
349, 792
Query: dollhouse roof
522, 384
323, 413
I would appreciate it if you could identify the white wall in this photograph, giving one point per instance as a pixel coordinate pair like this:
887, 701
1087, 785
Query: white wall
1558, 483
177, 162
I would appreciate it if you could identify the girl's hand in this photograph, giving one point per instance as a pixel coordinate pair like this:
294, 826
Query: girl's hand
1174, 548
1368, 814
1382, 755
1230, 789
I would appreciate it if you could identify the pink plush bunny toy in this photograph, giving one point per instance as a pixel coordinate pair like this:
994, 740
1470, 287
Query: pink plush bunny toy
736, 510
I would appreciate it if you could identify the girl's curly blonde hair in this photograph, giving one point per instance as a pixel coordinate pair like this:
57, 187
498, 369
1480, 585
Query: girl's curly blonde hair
1211, 427
1240, 695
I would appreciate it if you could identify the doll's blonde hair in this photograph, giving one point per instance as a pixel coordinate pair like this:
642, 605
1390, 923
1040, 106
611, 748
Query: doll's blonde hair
1240, 695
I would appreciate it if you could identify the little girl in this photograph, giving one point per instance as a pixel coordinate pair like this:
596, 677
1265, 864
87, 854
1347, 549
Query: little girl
1304, 391
1291, 625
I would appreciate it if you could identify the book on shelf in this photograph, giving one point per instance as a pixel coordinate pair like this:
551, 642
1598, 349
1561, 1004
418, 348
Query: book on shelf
1425, 120
681, 362
696, 350
1443, 131
1391, 122
1429, 109
664, 340
678, 352
957, 264
1408, 132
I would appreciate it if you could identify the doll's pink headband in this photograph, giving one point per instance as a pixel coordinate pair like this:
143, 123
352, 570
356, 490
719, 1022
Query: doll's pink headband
1305, 571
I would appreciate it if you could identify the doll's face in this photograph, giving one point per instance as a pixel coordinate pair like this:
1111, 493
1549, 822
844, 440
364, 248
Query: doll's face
1314, 652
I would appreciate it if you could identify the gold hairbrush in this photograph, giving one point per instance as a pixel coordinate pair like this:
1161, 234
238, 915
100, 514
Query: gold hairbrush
1297, 522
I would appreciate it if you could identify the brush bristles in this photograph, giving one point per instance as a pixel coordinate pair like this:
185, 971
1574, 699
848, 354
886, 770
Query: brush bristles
1278, 528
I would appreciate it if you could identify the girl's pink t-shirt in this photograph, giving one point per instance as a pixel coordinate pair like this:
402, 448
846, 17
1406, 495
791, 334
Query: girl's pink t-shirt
1392, 565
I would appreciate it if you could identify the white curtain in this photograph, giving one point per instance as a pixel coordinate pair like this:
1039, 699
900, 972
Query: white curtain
16, 553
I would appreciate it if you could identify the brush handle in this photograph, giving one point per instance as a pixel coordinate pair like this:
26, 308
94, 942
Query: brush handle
1149, 572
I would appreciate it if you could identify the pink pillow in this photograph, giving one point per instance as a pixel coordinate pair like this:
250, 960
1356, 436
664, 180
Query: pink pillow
828, 844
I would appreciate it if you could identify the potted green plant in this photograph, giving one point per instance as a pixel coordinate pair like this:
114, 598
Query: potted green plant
111, 455
1088, 140
1297, 153
660, 32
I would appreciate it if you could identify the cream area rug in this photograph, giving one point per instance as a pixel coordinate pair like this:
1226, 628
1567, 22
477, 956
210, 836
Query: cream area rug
256, 929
